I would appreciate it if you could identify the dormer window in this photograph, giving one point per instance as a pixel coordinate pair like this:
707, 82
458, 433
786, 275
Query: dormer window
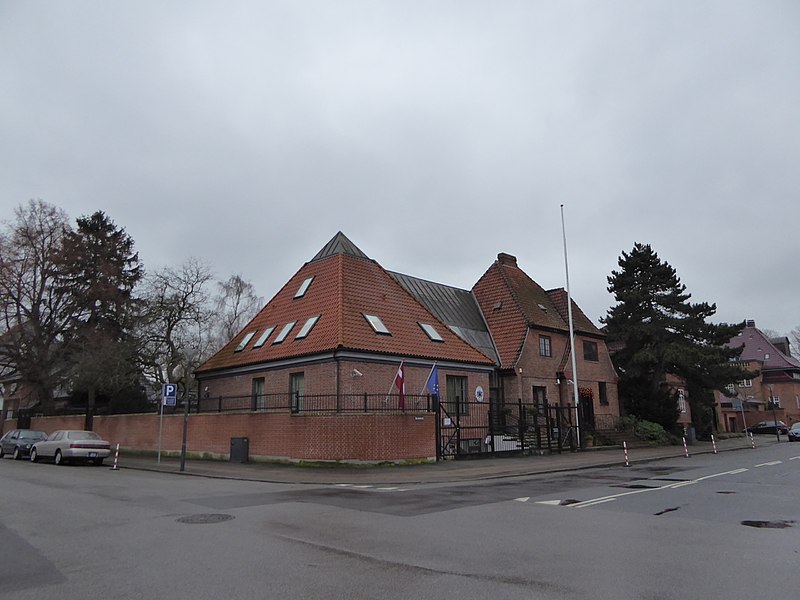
284, 332
306, 328
431, 332
303, 287
377, 324
262, 339
245, 341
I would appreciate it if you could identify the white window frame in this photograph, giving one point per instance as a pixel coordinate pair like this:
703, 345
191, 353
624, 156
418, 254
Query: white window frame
431, 332
246, 340
682, 401
301, 291
284, 332
306, 328
376, 324
262, 339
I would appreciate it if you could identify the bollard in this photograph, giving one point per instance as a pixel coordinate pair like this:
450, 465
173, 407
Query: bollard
625, 448
116, 459
713, 443
752, 440
685, 448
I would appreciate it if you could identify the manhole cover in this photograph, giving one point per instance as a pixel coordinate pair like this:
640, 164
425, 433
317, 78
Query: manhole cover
204, 518
768, 524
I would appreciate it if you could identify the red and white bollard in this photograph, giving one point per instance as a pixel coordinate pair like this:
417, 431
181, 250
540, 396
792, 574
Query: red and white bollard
625, 448
752, 440
116, 460
685, 448
713, 443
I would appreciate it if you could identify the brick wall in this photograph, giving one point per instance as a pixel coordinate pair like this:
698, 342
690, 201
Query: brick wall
271, 436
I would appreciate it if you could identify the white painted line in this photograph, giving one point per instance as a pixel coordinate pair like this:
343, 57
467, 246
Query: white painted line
683, 484
361, 487
388, 489
524, 499
795, 458
769, 464
585, 504
548, 502
341, 485
737, 471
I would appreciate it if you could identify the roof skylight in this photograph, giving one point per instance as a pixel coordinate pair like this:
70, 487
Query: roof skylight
245, 341
284, 332
430, 330
306, 328
262, 339
377, 324
303, 287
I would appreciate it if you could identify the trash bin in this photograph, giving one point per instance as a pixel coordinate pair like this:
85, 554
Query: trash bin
240, 449
690, 435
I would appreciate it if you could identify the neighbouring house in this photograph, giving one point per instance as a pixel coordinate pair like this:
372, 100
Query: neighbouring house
773, 394
323, 356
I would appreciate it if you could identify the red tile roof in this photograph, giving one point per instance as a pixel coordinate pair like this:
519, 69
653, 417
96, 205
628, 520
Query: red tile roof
512, 303
345, 286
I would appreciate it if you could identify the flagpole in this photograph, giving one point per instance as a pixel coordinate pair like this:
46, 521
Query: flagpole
389, 393
571, 336
425, 385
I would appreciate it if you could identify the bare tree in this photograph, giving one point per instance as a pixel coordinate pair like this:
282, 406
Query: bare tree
235, 304
175, 336
34, 308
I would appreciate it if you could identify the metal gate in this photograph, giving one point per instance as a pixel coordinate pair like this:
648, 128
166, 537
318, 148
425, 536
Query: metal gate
472, 428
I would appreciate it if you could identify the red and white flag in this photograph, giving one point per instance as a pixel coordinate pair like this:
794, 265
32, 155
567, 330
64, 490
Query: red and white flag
399, 382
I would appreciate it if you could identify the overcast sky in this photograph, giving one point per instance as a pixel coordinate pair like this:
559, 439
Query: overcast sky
433, 134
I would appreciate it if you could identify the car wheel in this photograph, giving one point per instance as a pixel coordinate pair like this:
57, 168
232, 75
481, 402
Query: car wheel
2, 454
59, 460
17, 454
34, 455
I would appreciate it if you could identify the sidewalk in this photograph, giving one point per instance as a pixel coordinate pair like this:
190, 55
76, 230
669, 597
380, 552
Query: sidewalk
444, 472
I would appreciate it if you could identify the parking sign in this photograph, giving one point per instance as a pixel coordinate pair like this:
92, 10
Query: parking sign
169, 394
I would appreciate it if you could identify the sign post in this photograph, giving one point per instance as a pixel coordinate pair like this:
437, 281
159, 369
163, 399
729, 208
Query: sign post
169, 397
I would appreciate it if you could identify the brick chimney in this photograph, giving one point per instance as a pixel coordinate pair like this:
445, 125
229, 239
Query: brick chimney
507, 259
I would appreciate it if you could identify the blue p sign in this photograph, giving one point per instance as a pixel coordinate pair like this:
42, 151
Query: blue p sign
170, 394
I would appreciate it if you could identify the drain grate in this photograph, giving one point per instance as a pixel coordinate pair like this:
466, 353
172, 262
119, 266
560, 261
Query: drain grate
769, 524
203, 519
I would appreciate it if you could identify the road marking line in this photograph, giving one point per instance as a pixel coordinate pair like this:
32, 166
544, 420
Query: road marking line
769, 464
683, 484
737, 471
795, 458
388, 489
548, 502
525, 499
584, 505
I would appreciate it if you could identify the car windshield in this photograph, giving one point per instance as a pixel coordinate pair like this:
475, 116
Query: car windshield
796, 426
82, 435
32, 435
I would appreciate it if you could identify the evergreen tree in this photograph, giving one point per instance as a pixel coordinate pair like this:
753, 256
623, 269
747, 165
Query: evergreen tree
100, 271
660, 332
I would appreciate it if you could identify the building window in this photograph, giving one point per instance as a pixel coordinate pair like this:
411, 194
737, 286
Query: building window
544, 346
681, 401
306, 328
431, 332
303, 287
243, 344
297, 388
284, 332
540, 398
376, 324
259, 398
603, 393
746, 383
263, 337
456, 401
731, 389
776, 401
590, 351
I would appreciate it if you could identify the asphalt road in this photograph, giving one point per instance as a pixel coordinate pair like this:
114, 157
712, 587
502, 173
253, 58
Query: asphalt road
713, 526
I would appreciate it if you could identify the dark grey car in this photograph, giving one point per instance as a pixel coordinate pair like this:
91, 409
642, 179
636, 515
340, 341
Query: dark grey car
18, 442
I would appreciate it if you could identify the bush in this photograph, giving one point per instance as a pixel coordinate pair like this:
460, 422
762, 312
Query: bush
645, 430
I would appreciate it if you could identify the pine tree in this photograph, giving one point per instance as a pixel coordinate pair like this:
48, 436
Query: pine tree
100, 270
659, 332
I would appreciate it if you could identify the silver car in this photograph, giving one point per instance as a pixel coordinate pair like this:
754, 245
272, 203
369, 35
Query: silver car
71, 445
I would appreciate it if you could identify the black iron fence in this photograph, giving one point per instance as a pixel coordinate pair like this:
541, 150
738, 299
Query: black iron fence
317, 403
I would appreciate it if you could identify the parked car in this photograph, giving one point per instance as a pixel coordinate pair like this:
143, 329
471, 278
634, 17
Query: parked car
71, 445
18, 442
769, 427
794, 432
